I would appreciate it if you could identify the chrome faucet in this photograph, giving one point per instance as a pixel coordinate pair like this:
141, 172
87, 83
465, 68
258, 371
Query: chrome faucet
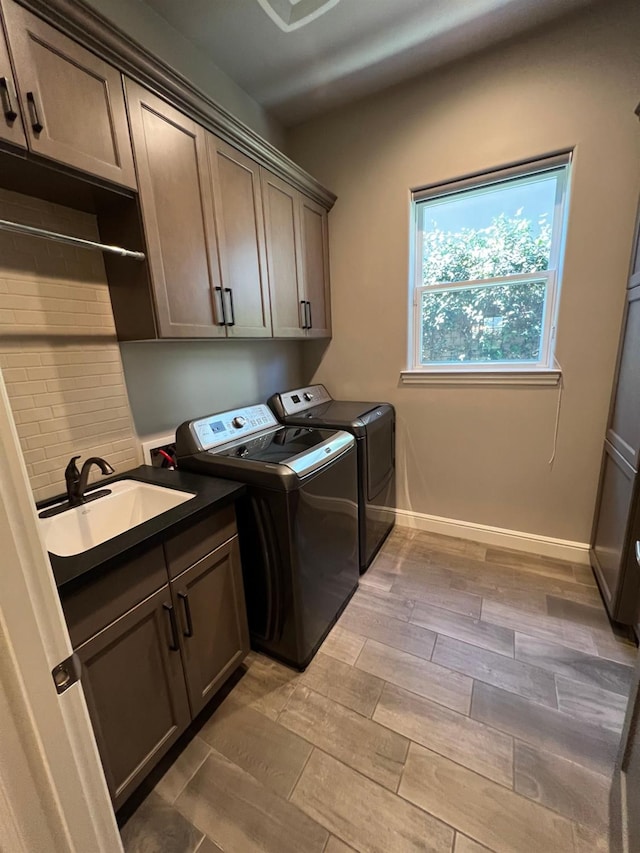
77, 480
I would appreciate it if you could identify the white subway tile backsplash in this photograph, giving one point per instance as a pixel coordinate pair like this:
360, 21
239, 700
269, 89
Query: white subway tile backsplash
20, 359
15, 374
18, 389
89, 406
58, 350
72, 384
31, 415
20, 403
26, 430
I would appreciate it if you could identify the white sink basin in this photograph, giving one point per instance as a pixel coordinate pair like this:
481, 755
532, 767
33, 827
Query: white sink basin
129, 504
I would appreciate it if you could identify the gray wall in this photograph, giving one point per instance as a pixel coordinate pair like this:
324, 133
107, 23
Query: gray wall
481, 454
149, 29
171, 381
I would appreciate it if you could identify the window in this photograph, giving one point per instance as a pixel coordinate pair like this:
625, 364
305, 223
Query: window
485, 270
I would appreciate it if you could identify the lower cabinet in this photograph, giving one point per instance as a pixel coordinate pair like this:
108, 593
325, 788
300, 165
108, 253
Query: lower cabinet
134, 684
214, 636
147, 673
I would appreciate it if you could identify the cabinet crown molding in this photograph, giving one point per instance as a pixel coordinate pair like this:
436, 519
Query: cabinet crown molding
106, 40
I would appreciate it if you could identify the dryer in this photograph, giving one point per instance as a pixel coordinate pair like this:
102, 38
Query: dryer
373, 425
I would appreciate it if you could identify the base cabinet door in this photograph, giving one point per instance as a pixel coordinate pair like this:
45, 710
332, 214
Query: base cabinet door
133, 681
615, 531
72, 101
315, 265
214, 634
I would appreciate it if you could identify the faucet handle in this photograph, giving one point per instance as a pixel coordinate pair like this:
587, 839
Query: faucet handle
71, 472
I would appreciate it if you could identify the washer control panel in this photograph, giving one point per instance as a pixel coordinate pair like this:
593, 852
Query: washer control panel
302, 399
214, 430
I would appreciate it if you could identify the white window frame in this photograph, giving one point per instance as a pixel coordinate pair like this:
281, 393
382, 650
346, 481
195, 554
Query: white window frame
544, 370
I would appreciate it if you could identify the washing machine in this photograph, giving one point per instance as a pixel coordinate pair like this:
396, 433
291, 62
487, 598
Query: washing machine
297, 523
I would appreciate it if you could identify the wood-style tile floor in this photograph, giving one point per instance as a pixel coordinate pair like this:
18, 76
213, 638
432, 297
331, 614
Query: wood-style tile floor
470, 699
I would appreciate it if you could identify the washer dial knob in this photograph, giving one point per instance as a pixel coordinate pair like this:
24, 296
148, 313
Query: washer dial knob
238, 422
307, 396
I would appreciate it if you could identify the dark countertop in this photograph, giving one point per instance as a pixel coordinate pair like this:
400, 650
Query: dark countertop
211, 493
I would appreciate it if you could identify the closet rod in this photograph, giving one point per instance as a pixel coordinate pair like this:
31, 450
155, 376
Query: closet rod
19, 228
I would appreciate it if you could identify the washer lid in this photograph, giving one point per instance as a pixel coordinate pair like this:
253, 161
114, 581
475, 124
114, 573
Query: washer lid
251, 440
300, 449
336, 413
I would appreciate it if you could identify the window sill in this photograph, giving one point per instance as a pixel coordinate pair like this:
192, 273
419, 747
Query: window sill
537, 376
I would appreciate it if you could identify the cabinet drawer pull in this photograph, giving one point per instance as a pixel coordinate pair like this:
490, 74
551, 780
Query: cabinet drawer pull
36, 124
232, 322
303, 305
310, 318
223, 322
174, 627
9, 113
184, 598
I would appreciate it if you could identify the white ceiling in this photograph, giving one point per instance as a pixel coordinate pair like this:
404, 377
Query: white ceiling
355, 48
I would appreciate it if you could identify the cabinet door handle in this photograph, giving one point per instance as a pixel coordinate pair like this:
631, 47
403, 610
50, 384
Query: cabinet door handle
232, 322
638, 552
310, 320
223, 322
184, 598
9, 113
36, 124
304, 314
173, 645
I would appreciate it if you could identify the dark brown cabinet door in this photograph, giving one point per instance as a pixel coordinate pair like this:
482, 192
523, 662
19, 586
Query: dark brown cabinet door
315, 264
237, 201
72, 102
609, 544
624, 417
616, 525
11, 129
177, 209
284, 256
134, 685
214, 635
624, 833
635, 256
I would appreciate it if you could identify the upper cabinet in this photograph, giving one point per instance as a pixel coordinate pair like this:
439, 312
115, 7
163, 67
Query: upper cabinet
282, 227
232, 250
239, 222
71, 101
201, 208
177, 210
315, 267
298, 260
11, 129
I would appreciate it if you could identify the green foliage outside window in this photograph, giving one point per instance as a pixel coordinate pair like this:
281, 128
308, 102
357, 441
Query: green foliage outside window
501, 322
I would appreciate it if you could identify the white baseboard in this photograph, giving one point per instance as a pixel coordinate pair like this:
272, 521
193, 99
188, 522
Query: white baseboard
531, 543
